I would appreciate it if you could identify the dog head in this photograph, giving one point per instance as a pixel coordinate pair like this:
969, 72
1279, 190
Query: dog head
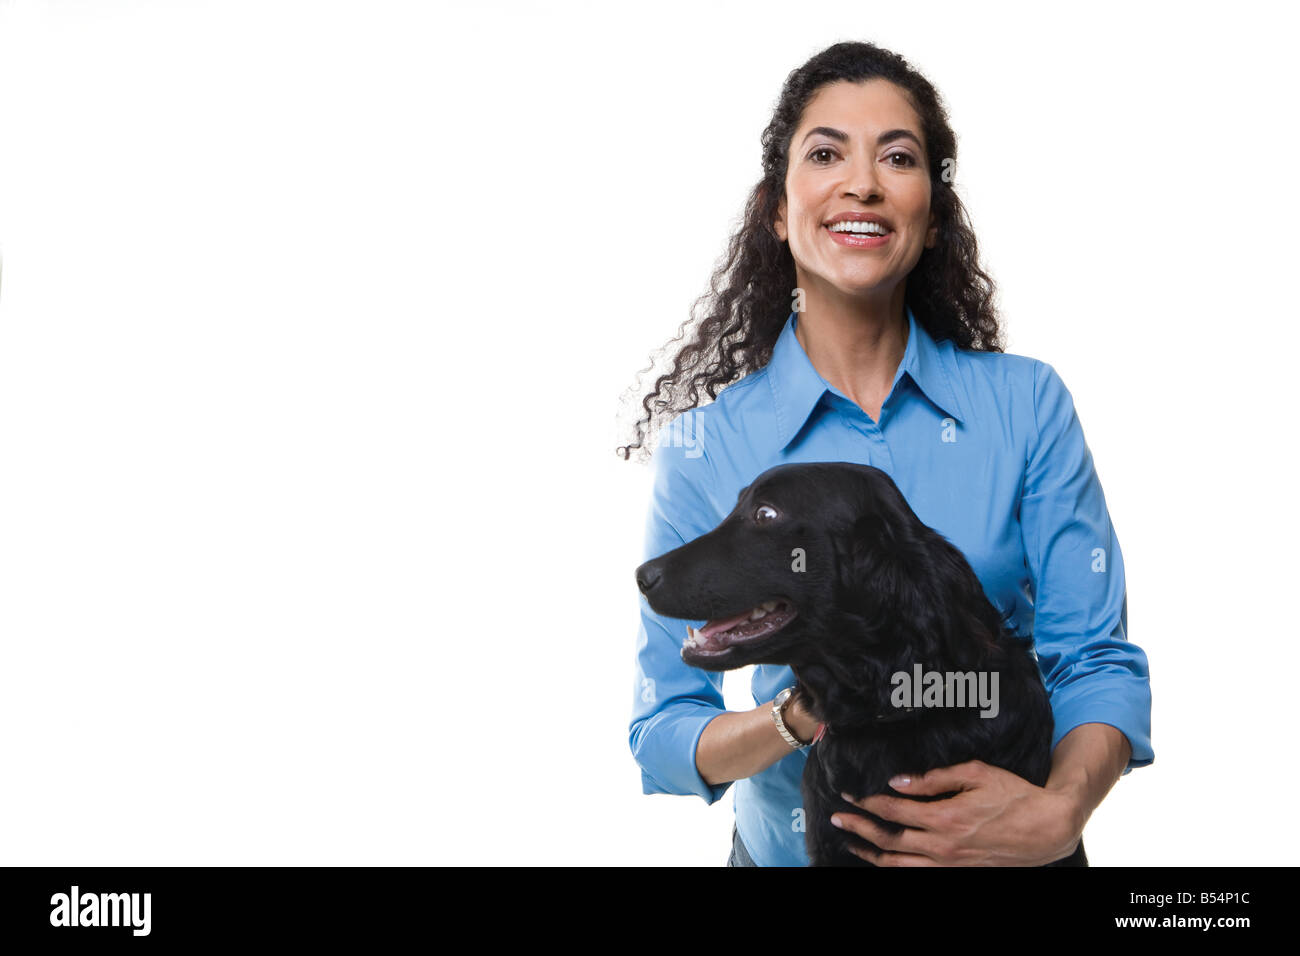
818, 565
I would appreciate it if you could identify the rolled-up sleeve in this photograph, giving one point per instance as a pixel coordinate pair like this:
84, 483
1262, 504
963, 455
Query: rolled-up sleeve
1092, 671
672, 701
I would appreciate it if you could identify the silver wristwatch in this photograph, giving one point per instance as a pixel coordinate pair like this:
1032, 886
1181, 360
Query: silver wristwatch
777, 706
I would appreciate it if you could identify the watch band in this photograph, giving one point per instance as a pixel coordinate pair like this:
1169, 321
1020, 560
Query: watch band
777, 706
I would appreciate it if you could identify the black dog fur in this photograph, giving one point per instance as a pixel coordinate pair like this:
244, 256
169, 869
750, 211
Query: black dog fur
878, 593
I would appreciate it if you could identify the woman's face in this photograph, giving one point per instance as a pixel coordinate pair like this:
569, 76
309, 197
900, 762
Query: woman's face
858, 149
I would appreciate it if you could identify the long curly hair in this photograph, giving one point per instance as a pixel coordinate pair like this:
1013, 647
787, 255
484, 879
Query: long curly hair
751, 291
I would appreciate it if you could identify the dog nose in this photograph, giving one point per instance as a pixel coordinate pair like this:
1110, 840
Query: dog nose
647, 576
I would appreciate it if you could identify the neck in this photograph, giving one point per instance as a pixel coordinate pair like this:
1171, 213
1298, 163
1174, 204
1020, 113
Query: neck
859, 693
856, 346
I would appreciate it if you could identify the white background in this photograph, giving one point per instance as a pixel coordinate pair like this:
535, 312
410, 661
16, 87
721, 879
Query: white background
314, 320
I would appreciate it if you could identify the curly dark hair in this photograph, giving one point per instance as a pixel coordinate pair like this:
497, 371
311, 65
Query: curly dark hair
751, 289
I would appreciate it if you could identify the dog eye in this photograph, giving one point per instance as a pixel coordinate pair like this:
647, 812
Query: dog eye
765, 513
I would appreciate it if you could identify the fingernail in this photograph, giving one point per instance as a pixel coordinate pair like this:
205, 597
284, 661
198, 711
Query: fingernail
899, 781
846, 798
835, 821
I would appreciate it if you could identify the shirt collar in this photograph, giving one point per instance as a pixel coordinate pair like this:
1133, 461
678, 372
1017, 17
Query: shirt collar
797, 386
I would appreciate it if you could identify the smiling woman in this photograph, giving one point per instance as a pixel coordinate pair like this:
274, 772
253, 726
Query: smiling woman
853, 110
851, 321
880, 153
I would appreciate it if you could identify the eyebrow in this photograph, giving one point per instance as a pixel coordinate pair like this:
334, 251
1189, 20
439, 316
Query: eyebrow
842, 137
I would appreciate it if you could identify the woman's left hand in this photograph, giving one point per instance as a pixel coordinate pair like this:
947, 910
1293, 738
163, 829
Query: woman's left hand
995, 819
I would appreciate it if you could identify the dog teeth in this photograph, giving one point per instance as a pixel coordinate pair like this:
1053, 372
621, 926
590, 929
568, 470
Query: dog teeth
690, 637
768, 605
758, 612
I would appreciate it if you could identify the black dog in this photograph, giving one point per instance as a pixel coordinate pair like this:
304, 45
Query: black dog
824, 567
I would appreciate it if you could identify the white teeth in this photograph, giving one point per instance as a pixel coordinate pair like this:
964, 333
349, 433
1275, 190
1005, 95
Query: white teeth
768, 605
869, 228
690, 637
758, 612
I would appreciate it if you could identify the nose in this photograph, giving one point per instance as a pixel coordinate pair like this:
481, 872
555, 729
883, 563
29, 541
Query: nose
863, 178
647, 576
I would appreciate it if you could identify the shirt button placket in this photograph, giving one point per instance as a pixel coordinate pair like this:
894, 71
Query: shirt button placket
862, 453
880, 456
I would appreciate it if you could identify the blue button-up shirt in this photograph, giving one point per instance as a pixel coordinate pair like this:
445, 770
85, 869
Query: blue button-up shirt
987, 449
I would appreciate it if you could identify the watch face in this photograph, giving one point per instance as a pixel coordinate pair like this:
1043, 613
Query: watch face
782, 697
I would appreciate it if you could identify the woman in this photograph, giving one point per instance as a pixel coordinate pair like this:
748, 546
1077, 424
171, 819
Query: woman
853, 310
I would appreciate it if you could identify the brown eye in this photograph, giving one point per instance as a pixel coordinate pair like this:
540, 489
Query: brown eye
764, 514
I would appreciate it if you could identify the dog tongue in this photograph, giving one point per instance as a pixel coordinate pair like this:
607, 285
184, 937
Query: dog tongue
716, 626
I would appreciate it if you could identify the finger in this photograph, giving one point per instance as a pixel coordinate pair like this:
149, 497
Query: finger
905, 841
909, 813
881, 858
962, 776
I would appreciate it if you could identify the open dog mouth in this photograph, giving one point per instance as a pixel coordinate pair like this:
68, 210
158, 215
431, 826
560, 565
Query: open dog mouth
720, 635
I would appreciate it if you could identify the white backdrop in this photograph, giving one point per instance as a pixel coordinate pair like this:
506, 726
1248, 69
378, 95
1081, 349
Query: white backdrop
314, 319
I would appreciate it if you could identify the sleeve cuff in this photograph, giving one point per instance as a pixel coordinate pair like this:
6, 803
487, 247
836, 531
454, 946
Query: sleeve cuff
1126, 709
679, 734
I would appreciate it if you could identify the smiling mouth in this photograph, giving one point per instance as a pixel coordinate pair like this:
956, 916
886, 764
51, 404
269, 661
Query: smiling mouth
719, 636
853, 237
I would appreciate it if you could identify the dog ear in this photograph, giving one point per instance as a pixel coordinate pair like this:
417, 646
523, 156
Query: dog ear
875, 548
870, 561
873, 535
